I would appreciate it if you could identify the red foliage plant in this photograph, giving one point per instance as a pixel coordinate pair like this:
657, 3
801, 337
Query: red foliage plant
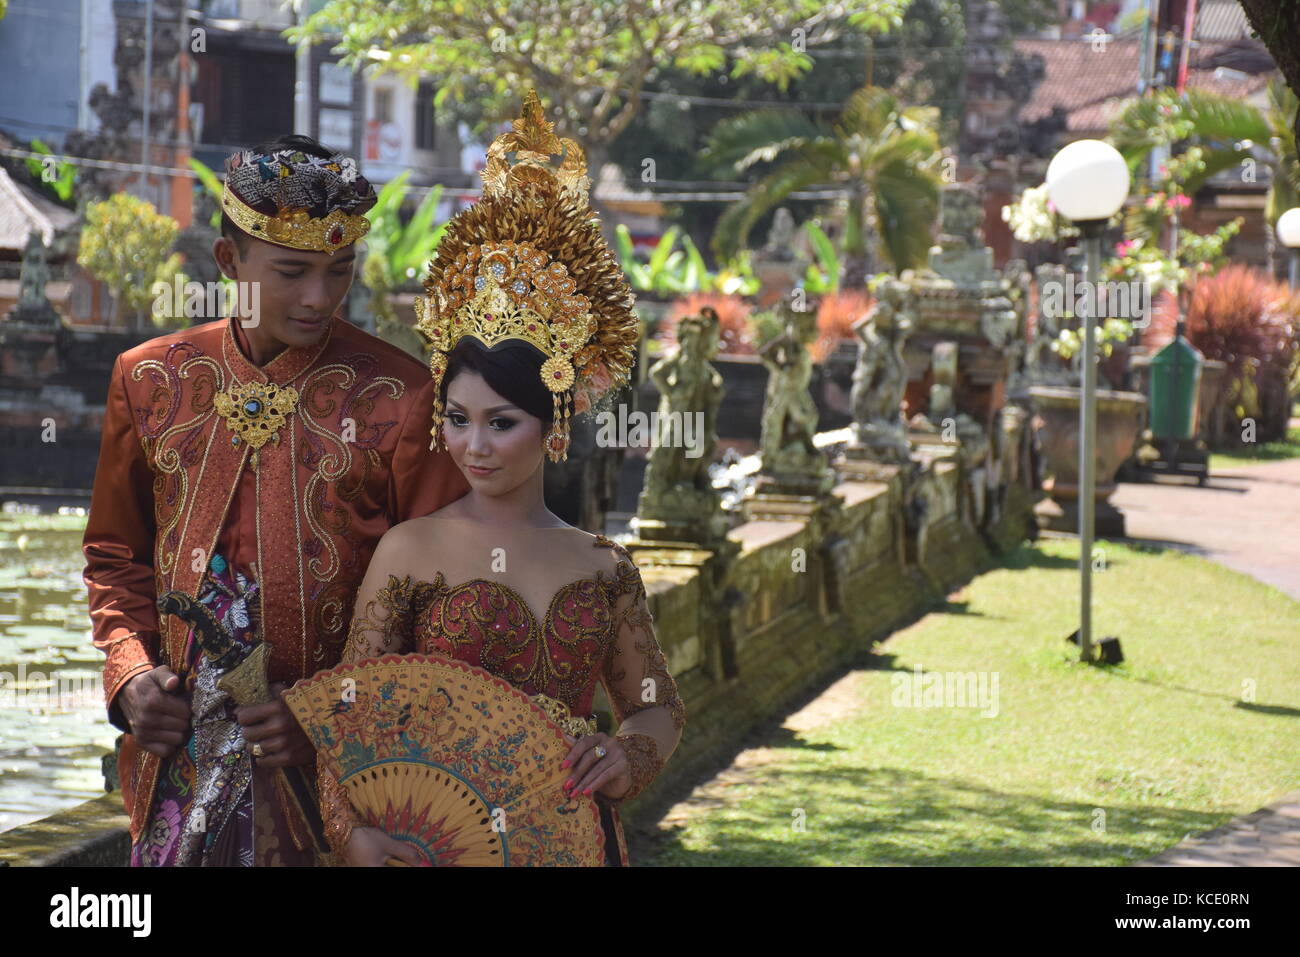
835, 318
1239, 316
736, 337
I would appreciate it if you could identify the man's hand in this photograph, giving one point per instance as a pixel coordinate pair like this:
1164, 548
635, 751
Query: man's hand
273, 726
158, 714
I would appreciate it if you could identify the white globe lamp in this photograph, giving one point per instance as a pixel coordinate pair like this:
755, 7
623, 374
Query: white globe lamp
1288, 231
1088, 181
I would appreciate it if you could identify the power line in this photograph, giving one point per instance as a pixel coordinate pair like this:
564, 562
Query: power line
421, 191
98, 164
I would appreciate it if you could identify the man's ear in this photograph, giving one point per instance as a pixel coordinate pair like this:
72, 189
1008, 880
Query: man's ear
226, 253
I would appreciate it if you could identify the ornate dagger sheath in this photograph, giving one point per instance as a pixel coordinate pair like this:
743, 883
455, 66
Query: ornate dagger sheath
244, 679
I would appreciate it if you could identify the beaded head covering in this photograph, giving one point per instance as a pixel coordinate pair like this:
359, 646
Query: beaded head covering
528, 262
294, 199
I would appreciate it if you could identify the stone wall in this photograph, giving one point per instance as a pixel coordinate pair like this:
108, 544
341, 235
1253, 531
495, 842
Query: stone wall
866, 575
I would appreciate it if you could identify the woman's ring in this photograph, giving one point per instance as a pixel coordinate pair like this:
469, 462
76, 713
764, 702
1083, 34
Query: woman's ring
257, 750
600, 752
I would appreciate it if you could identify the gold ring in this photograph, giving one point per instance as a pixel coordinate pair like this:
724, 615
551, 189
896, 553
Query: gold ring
600, 752
257, 750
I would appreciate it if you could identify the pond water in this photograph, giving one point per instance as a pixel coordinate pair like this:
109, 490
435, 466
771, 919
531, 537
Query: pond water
53, 729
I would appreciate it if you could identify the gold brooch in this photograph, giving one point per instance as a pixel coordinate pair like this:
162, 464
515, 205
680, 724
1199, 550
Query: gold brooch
559, 712
255, 411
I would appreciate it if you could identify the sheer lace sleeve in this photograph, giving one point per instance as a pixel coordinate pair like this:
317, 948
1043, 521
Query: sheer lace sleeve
383, 622
649, 712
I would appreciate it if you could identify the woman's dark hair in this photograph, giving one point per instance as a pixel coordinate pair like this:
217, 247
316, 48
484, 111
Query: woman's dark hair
512, 370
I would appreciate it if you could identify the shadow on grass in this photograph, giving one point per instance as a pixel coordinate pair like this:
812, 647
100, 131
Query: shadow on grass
1277, 709
1026, 556
893, 817
1119, 671
785, 738
1155, 546
948, 607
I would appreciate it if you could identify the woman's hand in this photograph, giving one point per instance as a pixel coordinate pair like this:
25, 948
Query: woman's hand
371, 847
610, 775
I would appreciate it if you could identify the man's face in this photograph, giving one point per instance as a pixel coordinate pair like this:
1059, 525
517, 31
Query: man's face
298, 291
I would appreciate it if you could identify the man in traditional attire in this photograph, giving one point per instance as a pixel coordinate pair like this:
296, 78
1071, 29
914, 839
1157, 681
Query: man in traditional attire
252, 463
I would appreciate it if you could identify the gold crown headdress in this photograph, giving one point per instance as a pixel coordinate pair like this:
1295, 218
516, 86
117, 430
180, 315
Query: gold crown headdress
528, 262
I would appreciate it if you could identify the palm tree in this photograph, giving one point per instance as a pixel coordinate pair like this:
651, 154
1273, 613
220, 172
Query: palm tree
886, 154
1227, 131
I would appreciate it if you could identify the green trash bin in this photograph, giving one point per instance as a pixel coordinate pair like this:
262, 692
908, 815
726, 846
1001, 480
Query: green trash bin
1175, 388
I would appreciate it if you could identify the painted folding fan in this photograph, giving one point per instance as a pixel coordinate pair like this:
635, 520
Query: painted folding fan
450, 759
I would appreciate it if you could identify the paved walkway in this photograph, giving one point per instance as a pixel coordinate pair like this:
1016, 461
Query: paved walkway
1247, 518
1268, 838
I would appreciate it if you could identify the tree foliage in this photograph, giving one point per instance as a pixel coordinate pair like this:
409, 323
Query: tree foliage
589, 59
126, 244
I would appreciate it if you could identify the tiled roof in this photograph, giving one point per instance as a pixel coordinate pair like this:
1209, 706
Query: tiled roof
21, 211
1221, 20
1091, 83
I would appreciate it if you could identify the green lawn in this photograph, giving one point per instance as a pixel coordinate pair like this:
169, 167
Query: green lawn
1080, 766
1288, 448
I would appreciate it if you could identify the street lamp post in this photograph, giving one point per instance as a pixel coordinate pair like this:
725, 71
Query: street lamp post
1288, 230
1087, 182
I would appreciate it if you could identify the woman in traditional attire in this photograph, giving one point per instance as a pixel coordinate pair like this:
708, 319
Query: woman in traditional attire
529, 316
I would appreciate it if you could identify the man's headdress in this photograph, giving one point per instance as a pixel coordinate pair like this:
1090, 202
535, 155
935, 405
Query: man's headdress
528, 262
294, 199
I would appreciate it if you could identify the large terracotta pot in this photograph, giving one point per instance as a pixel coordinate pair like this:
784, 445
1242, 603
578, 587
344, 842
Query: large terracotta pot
1119, 420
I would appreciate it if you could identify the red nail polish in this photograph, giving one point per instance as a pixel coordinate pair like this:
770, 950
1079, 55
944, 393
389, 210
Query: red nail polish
568, 784
564, 763
588, 791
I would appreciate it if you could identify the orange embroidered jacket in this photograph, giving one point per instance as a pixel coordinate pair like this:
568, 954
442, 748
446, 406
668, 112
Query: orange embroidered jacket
173, 484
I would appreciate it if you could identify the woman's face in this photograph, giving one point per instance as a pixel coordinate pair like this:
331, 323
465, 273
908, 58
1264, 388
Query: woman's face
481, 428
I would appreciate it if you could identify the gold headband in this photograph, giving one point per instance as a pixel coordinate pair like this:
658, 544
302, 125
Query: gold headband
296, 228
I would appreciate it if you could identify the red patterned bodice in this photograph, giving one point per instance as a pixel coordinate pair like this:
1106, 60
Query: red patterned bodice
489, 625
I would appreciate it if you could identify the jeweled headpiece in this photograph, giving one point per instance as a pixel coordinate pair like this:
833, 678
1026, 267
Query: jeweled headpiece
294, 199
528, 262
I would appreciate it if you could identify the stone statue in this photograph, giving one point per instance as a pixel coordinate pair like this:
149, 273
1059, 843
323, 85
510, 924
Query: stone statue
687, 385
1042, 366
880, 377
678, 502
780, 237
1010, 432
960, 254
999, 322
775, 265
961, 217
33, 305
789, 413
943, 365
